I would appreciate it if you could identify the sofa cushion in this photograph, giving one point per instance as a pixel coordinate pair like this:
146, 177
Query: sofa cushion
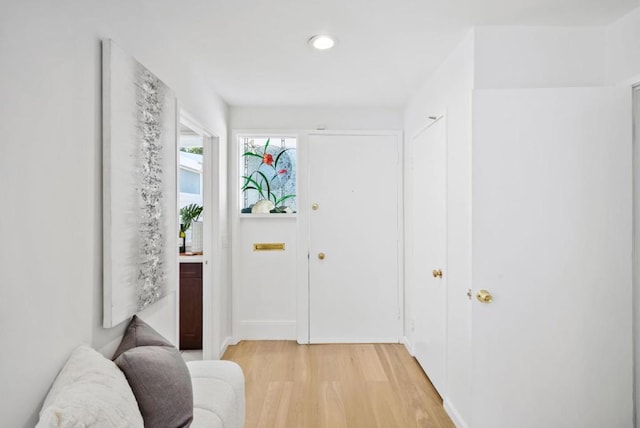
161, 383
158, 376
139, 333
89, 391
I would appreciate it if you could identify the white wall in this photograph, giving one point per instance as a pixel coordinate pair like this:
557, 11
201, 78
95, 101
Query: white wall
265, 284
623, 50
623, 68
51, 260
338, 118
448, 92
538, 57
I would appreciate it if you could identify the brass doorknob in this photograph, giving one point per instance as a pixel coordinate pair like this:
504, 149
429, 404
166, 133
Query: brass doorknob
314, 207
321, 256
437, 273
484, 296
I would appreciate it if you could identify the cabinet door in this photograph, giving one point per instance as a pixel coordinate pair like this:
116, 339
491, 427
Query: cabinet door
191, 306
552, 244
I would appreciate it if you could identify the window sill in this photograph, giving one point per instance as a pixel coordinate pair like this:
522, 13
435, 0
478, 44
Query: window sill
270, 215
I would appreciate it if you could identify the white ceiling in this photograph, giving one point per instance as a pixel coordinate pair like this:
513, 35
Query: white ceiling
255, 52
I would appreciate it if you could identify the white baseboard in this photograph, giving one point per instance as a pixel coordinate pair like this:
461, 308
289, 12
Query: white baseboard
354, 340
267, 330
407, 344
225, 344
454, 415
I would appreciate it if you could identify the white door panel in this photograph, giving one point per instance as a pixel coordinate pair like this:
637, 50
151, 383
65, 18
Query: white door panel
552, 243
353, 291
428, 252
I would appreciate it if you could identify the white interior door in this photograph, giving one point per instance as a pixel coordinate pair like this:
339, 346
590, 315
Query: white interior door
428, 252
552, 244
354, 288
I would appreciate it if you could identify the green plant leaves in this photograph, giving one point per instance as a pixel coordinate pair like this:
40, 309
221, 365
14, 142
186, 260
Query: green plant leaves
189, 214
284, 198
256, 186
252, 154
275, 164
266, 181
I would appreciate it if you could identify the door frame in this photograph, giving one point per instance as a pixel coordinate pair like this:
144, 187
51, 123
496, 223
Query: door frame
304, 202
636, 247
212, 227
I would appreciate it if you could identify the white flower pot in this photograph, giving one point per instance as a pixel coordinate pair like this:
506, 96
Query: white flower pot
196, 237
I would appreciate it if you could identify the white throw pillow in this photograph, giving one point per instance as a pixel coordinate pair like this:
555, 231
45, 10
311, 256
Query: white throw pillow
90, 391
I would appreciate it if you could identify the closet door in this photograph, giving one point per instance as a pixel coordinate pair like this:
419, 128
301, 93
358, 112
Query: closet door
552, 245
428, 248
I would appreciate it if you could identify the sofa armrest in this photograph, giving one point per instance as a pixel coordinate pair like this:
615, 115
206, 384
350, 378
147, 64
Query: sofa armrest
218, 393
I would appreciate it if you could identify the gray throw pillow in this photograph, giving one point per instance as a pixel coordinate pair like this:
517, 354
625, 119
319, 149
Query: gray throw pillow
157, 375
160, 380
139, 333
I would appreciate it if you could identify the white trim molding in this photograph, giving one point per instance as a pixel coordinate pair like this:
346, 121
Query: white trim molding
225, 344
407, 344
267, 330
454, 414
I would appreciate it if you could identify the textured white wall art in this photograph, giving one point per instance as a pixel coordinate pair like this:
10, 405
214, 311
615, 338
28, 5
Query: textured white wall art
139, 186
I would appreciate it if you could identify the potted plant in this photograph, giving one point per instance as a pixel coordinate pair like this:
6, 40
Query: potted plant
189, 216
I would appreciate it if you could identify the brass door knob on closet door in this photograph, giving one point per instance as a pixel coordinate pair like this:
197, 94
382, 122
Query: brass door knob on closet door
314, 207
437, 273
321, 256
484, 296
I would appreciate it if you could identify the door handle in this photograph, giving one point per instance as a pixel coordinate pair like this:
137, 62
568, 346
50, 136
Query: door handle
437, 273
321, 256
484, 296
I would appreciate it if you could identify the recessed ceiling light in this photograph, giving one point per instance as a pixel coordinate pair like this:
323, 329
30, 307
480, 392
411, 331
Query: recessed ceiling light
322, 42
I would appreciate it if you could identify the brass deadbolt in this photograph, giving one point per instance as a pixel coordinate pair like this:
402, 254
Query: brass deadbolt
484, 296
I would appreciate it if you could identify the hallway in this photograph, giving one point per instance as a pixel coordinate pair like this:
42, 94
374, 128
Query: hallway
337, 385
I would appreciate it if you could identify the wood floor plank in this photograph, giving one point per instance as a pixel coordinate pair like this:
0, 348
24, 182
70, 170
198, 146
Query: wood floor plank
370, 363
336, 385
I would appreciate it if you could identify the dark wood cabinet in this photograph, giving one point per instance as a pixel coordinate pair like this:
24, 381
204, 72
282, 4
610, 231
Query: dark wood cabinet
190, 305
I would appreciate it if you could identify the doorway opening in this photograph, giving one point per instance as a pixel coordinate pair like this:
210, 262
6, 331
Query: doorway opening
196, 319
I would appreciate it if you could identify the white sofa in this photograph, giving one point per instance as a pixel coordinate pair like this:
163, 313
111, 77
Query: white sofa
218, 394
91, 391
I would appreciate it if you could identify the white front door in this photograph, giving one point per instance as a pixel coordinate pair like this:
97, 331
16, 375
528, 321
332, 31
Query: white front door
354, 238
552, 244
427, 263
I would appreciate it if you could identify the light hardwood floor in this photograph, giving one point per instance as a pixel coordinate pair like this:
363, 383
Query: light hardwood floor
334, 386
